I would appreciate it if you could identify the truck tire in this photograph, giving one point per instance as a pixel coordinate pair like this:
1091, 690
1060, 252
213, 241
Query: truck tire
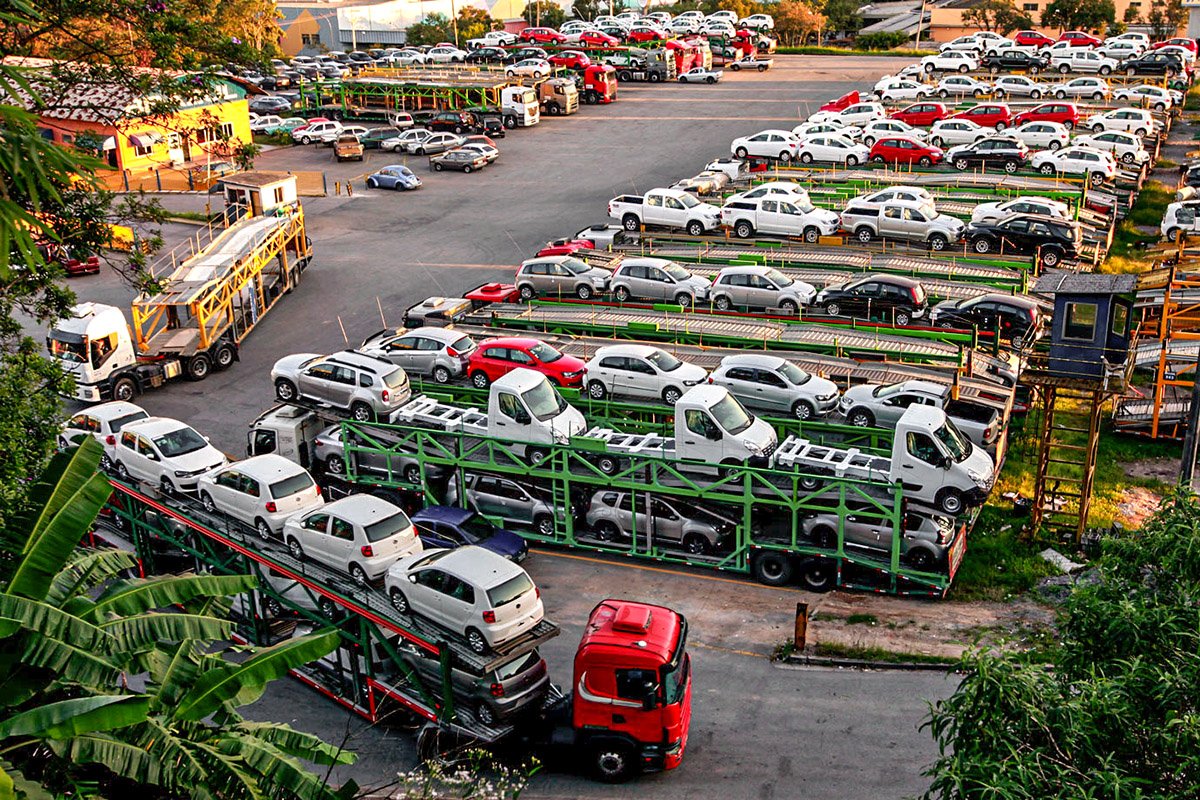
285, 390
743, 230
591, 97
630, 222
950, 501
198, 367
695, 228
553, 109
510, 121
818, 574
655, 77
860, 418
124, 388
224, 356
772, 568
613, 761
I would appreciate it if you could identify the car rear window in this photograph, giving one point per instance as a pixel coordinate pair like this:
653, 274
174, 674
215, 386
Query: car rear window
120, 422
509, 591
293, 484
463, 345
517, 666
395, 379
388, 526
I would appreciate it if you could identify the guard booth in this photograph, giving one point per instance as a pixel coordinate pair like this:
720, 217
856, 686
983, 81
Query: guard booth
256, 193
1086, 363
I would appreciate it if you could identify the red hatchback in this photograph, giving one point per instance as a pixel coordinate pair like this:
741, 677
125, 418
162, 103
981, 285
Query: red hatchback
919, 114
572, 59
497, 357
989, 115
565, 247
598, 39
1080, 39
1178, 41
1066, 113
1032, 39
903, 150
541, 36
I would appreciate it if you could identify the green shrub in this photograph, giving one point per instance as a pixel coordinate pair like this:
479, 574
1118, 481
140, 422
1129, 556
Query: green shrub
880, 41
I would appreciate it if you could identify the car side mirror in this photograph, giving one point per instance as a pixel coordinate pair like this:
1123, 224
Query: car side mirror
153, 456
412, 578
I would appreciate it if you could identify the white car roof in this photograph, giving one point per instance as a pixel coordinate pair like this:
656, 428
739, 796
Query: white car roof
752, 360
155, 426
363, 509
112, 410
475, 565
638, 350
266, 468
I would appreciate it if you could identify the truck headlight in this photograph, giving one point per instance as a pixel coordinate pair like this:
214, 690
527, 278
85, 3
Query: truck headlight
754, 450
981, 481
561, 438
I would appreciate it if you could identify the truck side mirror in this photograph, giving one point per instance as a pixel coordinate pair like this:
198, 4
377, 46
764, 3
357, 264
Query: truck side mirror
713, 433
522, 417
650, 701
947, 462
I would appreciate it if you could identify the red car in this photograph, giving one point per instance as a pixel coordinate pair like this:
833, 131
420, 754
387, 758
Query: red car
989, 115
572, 59
903, 150
845, 101
565, 247
1080, 39
1066, 113
1178, 41
1032, 39
640, 35
497, 357
598, 39
919, 114
541, 36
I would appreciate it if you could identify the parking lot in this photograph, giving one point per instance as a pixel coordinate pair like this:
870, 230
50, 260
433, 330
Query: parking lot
759, 730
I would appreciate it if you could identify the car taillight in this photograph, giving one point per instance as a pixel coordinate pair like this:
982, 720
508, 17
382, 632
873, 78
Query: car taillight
913, 291
710, 380
110, 439
271, 507
384, 394
489, 617
537, 592
987, 433
367, 551
497, 690
450, 351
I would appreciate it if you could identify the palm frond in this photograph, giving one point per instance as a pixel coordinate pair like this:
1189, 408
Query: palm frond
87, 570
140, 633
45, 620
142, 594
283, 774
298, 743
123, 759
70, 663
68, 718
15, 786
173, 670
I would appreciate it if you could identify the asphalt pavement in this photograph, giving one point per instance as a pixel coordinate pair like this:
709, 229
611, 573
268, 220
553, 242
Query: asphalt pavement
759, 730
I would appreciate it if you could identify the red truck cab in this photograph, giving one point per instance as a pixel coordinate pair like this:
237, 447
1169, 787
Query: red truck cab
599, 84
843, 102
632, 702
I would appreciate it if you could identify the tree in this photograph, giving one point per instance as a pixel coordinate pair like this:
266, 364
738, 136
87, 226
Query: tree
545, 13
432, 29
1000, 16
588, 9
1116, 716
73, 629
1081, 15
842, 15
1165, 19
473, 22
796, 21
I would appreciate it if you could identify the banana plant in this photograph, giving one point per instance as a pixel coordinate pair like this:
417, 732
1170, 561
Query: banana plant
102, 674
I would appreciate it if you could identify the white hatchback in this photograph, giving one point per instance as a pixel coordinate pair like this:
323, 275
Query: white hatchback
1041, 135
102, 422
956, 131
261, 491
360, 535
165, 453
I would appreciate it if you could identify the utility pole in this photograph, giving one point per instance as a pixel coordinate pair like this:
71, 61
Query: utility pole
920, 24
454, 22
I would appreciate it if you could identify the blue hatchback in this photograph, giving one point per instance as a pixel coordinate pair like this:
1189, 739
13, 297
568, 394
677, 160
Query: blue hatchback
451, 526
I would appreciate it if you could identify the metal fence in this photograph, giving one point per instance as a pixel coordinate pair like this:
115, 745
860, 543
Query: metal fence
196, 179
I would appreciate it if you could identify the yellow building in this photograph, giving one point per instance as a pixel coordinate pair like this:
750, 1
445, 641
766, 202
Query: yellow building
946, 18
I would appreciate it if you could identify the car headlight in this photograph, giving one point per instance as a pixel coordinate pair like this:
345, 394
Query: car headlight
754, 450
599, 281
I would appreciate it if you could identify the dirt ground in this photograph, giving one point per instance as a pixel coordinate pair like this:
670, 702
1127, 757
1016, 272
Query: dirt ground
1140, 503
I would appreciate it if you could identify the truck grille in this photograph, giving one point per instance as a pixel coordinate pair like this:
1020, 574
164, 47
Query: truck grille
770, 449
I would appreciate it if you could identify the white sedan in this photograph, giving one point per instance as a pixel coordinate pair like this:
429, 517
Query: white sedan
956, 131
446, 55
1155, 97
264, 124
358, 131
962, 86
701, 75
1125, 146
950, 61
814, 128
1042, 135
858, 114
902, 89
767, 144
1095, 88
1018, 85
534, 67
833, 148
1097, 165
991, 212
877, 129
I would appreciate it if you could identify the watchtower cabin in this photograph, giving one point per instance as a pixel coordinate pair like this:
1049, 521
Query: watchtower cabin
257, 192
1086, 363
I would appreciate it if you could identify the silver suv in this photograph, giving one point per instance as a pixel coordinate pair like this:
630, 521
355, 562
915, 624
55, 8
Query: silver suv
760, 287
658, 279
559, 275
438, 353
923, 544
330, 458
367, 386
668, 521
506, 500
771, 383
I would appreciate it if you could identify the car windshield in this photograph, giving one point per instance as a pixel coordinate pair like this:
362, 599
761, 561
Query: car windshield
545, 353
120, 422
476, 528
293, 484
954, 441
803, 206
687, 201
575, 266
887, 391
388, 526
543, 402
509, 591
778, 278
180, 442
731, 415
664, 360
794, 375
677, 272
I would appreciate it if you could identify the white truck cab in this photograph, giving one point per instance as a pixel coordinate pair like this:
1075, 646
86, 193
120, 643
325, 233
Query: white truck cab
94, 345
285, 430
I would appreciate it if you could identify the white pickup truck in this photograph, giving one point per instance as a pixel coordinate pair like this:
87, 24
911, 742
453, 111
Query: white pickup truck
933, 461
669, 208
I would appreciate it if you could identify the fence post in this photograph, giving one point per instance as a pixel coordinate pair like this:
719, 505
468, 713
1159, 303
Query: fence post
158, 179
125, 178
800, 635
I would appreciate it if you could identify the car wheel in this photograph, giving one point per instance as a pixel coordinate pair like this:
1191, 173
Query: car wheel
950, 501
833, 309
723, 303
1055, 144
772, 568
263, 529
285, 390
868, 140
359, 575
207, 501
696, 545
124, 389
305, 140
818, 575
937, 141
999, 93
399, 601
1017, 341
903, 316
1098, 128
806, 158
295, 549
743, 230
1063, 69
1050, 258
480, 380
335, 465
963, 68
1011, 166
485, 715
526, 292
671, 395
583, 292
824, 537
740, 152
371, 184
510, 73
803, 410
961, 164
982, 245
920, 560
544, 524
1046, 169
467, 168
785, 156
1140, 131
695, 228
1036, 94
441, 374
861, 418
811, 235
789, 307
943, 93
630, 222
864, 235
851, 161
1097, 95
437, 167
1061, 95
606, 530
1106, 70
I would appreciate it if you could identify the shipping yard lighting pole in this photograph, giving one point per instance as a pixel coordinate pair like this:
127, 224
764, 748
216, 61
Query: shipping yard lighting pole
920, 22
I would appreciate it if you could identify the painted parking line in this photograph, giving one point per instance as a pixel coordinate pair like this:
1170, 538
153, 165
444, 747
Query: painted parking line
665, 571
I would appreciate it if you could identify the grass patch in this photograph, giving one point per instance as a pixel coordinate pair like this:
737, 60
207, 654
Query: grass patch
1125, 255
1191, 101
195, 216
862, 619
1166, 163
876, 654
812, 50
999, 564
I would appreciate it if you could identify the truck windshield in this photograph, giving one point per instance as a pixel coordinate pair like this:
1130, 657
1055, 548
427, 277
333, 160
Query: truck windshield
543, 402
731, 416
544, 353
664, 361
955, 443
180, 442
388, 526
778, 278
73, 350
677, 272
575, 266
677, 672
687, 201
793, 374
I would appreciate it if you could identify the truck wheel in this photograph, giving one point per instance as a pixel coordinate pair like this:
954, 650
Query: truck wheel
802, 409
285, 390
810, 483
124, 389
695, 228
950, 501
480, 380
613, 762
861, 418
591, 97
224, 356
744, 230
510, 121
544, 524
630, 222
818, 575
553, 109
198, 367
811, 235
362, 412
671, 395
772, 568
696, 545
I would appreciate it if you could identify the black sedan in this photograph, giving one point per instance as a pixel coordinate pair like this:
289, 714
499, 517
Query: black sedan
487, 55
269, 104
1013, 316
1152, 63
1007, 152
462, 160
1051, 239
1015, 59
888, 297
526, 52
